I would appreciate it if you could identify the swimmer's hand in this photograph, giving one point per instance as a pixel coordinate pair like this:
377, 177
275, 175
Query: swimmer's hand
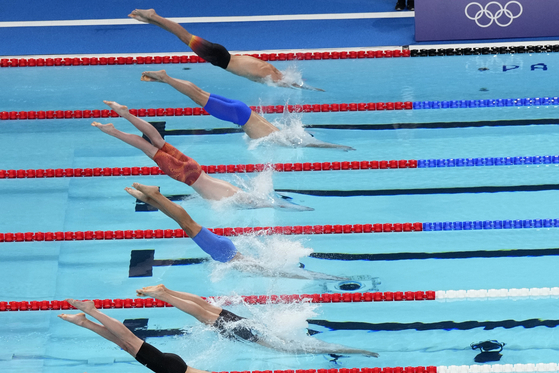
154, 76
307, 87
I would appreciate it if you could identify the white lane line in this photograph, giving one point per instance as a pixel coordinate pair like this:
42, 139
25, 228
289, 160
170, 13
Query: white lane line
287, 17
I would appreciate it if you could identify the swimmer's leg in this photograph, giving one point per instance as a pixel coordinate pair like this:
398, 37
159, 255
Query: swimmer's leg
152, 196
149, 16
195, 93
131, 139
215, 54
218, 247
144, 127
111, 329
189, 303
254, 125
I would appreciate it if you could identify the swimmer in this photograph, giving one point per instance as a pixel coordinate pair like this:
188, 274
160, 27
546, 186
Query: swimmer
253, 124
114, 331
181, 167
245, 66
218, 247
232, 326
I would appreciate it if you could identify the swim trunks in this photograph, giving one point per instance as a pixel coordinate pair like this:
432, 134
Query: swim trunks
223, 108
233, 332
220, 248
177, 165
160, 362
215, 54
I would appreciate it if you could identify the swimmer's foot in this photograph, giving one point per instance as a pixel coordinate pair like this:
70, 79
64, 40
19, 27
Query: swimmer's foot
144, 193
85, 305
143, 15
77, 319
149, 190
152, 291
154, 76
118, 108
108, 128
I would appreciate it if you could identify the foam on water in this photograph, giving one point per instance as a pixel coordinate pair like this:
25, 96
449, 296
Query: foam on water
268, 255
257, 192
291, 134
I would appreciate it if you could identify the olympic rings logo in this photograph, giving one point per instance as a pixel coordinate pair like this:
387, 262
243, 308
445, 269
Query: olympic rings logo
493, 17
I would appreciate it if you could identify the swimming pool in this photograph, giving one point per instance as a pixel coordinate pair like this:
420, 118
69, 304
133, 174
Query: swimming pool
439, 257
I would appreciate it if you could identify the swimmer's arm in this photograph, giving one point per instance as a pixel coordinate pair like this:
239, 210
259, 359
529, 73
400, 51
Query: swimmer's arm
298, 86
261, 270
303, 275
327, 145
307, 87
319, 347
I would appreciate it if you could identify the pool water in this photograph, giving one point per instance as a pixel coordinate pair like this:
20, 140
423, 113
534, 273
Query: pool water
420, 333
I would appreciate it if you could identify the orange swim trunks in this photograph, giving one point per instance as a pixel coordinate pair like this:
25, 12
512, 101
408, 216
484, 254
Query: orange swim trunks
177, 165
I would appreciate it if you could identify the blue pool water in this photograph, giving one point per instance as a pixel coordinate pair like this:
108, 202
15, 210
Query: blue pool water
39, 341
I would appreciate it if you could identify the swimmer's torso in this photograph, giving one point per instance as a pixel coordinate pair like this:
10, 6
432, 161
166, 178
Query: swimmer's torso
253, 68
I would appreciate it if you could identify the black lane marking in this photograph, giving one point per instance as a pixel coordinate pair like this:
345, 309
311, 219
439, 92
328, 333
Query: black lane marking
143, 207
444, 255
442, 325
143, 261
160, 126
420, 191
140, 329
431, 125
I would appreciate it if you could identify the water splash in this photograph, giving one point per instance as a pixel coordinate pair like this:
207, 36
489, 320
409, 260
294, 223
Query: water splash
257, 192
274, 256
291, 133
292, 76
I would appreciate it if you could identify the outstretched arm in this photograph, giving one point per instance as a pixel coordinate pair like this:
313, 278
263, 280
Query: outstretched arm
317, 347
250, 265
322, 144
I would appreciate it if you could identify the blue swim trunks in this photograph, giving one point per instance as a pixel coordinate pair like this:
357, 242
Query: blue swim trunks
229, 110
220, 248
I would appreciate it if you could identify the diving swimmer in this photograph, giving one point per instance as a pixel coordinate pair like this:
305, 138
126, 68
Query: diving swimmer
218, 247
232, 326
114, 331
216, 54
235, 111
183, 168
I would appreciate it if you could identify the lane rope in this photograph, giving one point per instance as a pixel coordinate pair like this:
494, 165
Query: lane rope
367, 297
210, 169
197, 111
192, 58
477, 225
289, 167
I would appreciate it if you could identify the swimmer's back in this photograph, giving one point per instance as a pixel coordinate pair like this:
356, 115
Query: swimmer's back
253, 68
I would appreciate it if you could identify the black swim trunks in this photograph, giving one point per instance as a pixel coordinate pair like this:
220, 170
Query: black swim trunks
160, 362
233, 332
216, 54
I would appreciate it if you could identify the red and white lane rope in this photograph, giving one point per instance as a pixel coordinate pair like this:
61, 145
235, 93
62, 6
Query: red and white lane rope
387, 296
197, 111
228, 231
210, 169
191, 58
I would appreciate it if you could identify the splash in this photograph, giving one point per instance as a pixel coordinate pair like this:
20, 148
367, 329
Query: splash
274, 256
257, 192
273, 320
292, 76
291, 133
